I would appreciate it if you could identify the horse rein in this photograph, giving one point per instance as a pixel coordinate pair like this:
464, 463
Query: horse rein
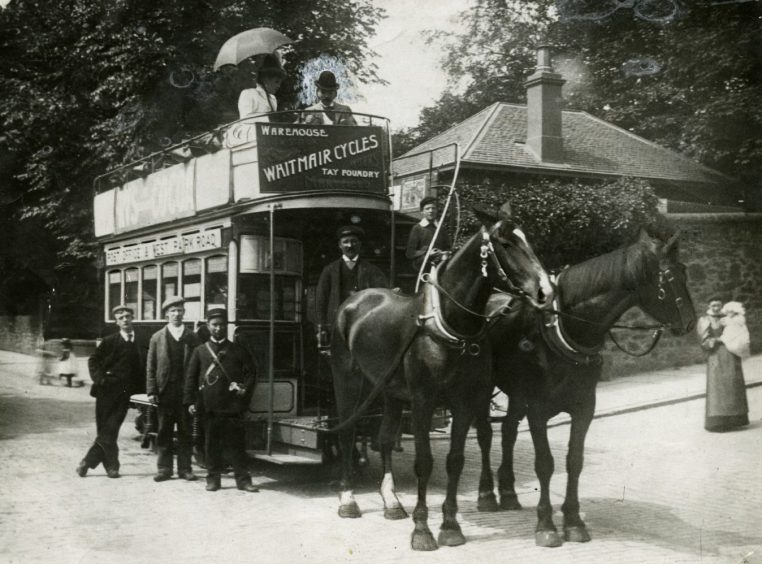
658, 329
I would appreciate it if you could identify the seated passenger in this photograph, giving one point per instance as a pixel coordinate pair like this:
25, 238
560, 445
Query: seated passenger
328, 111
261, 100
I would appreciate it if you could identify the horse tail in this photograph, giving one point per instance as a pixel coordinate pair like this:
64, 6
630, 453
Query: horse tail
377, 389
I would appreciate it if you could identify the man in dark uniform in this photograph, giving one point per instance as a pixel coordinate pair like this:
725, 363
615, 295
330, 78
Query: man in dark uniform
342, 278
169, 352
423, 232
220, 376
117, 369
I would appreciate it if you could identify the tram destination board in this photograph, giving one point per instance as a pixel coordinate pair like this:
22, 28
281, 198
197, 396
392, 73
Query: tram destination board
295, 158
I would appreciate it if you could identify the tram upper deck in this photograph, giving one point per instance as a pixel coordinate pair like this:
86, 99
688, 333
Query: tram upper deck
245, 167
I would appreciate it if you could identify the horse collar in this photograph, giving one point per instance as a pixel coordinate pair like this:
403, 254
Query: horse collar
436, 326
559, 341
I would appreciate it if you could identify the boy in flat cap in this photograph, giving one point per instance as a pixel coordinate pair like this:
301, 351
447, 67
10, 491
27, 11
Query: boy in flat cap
117, 369
169, 352
342, 278
220, 376
423, 232
328, 111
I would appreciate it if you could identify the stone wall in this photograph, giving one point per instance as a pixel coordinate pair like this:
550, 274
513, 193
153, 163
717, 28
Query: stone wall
723, 253
20, 333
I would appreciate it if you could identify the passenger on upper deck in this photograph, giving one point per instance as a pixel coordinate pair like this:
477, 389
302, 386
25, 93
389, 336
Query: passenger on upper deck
328, 111
261, 100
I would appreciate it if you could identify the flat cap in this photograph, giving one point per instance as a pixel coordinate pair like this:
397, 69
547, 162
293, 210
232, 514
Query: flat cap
172, 301
217, 312
426, 201
348, 230
122, 307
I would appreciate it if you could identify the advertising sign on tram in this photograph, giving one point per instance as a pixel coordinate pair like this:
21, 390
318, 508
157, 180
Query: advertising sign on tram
294, 158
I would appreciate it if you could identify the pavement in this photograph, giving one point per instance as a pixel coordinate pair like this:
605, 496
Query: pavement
656, 488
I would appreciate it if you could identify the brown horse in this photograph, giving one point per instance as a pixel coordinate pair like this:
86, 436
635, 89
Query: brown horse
429, 349
560, 372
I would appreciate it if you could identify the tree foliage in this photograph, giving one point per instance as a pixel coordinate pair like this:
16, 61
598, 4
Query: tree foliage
86, 85
687, 75
570, 221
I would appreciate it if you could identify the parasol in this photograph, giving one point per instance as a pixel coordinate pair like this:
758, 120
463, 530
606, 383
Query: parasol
248, 43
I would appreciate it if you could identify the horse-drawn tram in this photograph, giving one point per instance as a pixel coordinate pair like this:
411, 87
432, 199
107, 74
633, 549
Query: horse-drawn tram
244, 218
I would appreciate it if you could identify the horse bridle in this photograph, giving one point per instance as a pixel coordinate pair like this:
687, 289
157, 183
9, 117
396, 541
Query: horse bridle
666, 278
468, 342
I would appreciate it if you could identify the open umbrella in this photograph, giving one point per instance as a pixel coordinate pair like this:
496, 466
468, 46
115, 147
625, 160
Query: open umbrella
248, 43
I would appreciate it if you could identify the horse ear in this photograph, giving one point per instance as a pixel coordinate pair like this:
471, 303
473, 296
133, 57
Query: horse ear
506, 212
484, 215
672, 242
651, 243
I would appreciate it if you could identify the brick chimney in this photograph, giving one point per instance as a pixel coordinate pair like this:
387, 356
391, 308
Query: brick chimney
544, 131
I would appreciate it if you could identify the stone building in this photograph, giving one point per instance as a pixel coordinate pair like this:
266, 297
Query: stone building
507, 144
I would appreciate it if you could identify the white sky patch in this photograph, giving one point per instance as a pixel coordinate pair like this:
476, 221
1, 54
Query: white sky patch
412, 68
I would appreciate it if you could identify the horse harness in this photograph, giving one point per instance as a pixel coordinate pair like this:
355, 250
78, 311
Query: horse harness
564, 346
432, 319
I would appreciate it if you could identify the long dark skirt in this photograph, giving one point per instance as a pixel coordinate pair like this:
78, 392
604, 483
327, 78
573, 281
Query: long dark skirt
726, 405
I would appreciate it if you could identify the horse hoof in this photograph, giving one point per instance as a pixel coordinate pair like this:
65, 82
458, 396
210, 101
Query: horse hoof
510, 502
547, 539
451, 537
423, 540
576, 534
349, 511
395, 513
487, 503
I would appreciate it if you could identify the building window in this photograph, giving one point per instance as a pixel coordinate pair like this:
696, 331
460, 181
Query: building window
192, 288
114, 290
216, 282
169, 280
131, 283
150, 292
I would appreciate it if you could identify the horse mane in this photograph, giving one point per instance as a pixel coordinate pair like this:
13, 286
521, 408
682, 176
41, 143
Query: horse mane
626, 267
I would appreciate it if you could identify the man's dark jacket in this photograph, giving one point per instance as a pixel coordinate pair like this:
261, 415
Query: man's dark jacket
111, 378
329, 287
212, 386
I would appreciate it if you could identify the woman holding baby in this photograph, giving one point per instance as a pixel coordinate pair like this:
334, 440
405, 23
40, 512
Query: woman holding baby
725, 338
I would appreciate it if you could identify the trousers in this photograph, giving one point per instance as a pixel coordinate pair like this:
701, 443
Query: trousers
110, 411
170, 414
225, 438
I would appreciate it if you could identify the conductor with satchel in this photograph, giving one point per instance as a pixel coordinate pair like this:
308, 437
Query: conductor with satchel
218, 385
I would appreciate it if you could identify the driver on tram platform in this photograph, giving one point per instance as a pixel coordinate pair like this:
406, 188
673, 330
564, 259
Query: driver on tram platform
422, 234
342, 278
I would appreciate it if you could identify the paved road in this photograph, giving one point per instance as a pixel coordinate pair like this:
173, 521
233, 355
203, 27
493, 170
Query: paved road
656, 488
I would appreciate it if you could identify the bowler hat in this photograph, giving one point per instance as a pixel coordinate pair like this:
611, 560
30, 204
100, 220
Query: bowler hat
427, 200
122, 307
348, 230
217, 312
327, 80
172, 301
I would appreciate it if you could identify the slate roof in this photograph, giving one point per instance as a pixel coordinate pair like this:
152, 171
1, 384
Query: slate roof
495, 136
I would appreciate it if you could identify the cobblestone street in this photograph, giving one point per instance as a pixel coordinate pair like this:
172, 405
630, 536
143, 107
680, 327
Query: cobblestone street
656, 488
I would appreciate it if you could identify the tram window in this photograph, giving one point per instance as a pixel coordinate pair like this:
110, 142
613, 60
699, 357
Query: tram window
192, 288
169, 280
254, 297
131, 276
114, 289
255, 255
216, 282
150, 290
